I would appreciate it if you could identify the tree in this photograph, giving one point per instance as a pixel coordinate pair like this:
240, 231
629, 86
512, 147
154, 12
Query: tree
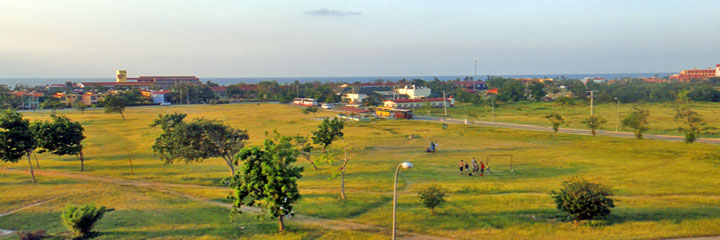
594, 122
60, 137
80, 106
267, 178
16, 138
116, 104
343, 155
197, 140
81, 220
638, 120
556, 120
52, 103
304, 147
328, 131
432, 196
694, 124
583, 200
472, 115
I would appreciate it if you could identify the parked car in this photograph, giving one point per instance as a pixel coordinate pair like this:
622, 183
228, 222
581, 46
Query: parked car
164, 104
327, 105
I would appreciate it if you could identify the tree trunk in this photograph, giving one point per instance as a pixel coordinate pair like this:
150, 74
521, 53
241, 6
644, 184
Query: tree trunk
31, 168
342, 184
281, 225
228, 160
593, 131
311, 162
121, 115
82, 161
37, 163
432, 211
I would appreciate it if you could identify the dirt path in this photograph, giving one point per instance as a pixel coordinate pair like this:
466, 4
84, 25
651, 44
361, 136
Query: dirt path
163, 187
5, 232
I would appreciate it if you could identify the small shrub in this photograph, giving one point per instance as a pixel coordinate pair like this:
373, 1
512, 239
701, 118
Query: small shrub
432, 196
583, 200
33, 235
80, 220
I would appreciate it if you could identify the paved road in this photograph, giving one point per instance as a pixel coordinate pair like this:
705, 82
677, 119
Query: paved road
563, 130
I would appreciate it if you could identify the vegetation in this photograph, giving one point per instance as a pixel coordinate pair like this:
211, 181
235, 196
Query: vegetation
343, 155
81, 219
116, 104
52, 103
693, 124
583, 200
16, 138
60, 137
197, 140
432, 196
267, 178
80, 106
32, 235
638, 120
329, 131
308, 110
594, 122
555, 120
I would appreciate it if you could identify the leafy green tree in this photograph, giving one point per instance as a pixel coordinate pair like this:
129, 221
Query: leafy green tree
583, 200
594, 122
116, 104
267, 178
538, 91
555, 120
304, 147
80, 106
328, 131
432, 196
81, 220
52, 103
16, 138
693, 124
197, 140
638, 120
373, 99
60, 137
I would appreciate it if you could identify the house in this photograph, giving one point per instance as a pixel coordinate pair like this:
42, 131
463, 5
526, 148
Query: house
355, 114
414, 92
89, 98
160, 96
67, 98
364, 91
29, 100
418, 103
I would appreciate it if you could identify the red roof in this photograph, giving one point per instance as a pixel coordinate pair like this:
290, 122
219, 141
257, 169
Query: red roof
32, 94
118, 83
161, 92
352, 109
416, 100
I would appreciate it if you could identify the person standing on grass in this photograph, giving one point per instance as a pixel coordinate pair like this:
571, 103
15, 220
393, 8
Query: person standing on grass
475, 166
482, 169
462, 164
467, 168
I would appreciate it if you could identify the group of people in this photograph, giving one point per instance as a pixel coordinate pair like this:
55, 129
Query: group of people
480, 168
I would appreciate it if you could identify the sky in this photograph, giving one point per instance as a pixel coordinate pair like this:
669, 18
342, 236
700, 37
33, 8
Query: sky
316, 38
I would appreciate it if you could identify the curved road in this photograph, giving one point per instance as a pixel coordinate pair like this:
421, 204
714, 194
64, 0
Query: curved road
562, 130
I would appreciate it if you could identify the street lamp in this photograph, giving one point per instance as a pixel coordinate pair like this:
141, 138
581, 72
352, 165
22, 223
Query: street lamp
405, 165
617, 117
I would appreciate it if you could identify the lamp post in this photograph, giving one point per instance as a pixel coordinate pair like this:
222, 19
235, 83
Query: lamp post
405, 165
617, 117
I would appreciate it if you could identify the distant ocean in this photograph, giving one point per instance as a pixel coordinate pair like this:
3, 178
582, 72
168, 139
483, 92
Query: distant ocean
233, 80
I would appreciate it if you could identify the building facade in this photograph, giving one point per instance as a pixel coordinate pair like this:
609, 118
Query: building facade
696, 74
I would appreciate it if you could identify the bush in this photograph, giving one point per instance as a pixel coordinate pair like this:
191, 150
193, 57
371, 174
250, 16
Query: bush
34, 235
583, 200
80, 220
432, 196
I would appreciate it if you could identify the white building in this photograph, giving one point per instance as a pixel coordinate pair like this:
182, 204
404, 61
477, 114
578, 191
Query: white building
159, 96
355, 97
414, 92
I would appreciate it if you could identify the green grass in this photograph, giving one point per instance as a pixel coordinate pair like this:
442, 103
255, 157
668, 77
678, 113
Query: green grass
663, 189
661, 120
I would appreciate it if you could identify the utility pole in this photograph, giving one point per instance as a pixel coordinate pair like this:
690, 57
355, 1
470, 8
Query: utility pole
617, 117
592, 95
445, 103
188, 95
475, 76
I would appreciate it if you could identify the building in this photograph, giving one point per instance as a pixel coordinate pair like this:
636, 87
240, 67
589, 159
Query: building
160, 96
29, 100
699, 74
354, 97
418, 103
364, 91
144, 82
413, 92
89, 98
470, 86
138, 85
219, 91
67, 98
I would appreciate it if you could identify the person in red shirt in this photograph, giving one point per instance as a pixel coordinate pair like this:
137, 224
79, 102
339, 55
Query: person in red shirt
482, 169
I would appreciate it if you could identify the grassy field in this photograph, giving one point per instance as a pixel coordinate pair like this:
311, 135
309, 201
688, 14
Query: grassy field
662, 189
661, 120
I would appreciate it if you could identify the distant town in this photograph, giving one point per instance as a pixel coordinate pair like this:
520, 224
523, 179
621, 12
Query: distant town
401, 94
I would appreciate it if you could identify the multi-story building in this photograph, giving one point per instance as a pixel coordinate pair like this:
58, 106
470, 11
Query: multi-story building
700, 74
414, 92
29, 100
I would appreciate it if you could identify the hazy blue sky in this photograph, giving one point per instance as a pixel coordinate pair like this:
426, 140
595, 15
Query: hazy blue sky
317, 38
